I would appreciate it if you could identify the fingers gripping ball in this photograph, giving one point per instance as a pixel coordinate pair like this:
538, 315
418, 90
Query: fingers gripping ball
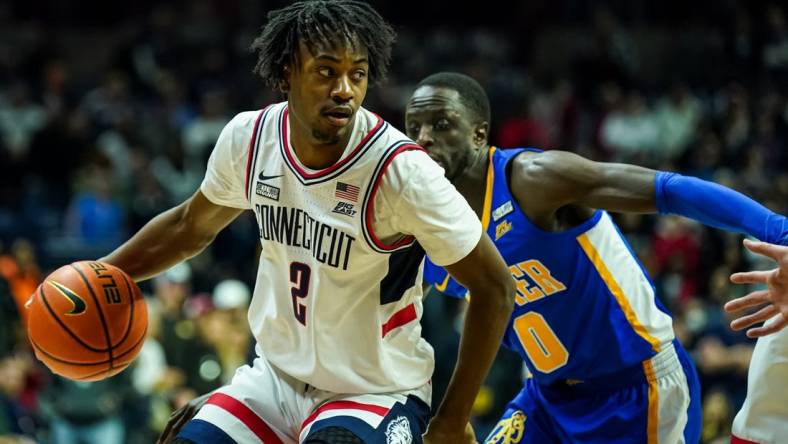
87, 321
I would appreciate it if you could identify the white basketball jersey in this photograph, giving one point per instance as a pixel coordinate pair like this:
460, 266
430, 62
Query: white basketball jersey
338, 296
764, 416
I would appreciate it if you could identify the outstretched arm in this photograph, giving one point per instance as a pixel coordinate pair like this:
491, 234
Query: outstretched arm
184, 231
171, 237
545, 182
773, 300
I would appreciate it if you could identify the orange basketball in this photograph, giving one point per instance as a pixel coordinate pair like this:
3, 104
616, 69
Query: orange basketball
87, 321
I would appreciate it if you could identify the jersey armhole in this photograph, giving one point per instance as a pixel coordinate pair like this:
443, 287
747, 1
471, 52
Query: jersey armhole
585, 224
251, 156
369, 200
509, 166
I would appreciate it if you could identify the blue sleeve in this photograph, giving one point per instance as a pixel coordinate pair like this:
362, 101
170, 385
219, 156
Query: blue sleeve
719, 207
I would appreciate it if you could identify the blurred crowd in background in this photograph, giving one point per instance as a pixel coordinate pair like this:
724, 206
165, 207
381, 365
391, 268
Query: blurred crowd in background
109, 111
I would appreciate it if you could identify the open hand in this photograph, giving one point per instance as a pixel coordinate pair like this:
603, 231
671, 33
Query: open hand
773, 300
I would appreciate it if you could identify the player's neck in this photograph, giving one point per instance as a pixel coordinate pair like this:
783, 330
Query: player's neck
472, 181
314, 153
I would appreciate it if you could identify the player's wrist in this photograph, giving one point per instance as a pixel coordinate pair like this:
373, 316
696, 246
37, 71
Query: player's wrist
448, 421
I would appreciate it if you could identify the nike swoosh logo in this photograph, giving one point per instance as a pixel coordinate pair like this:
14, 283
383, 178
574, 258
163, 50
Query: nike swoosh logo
264, 177
79, 304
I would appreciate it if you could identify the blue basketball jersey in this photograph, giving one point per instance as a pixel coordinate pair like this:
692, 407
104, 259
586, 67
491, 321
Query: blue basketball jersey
585, 306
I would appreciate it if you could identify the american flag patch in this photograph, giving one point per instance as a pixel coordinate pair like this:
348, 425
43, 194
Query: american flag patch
347, 191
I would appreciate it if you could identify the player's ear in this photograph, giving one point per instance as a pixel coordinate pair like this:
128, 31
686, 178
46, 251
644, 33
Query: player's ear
480, 133
284, 83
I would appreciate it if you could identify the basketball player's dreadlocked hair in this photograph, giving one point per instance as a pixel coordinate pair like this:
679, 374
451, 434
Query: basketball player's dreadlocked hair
322, 24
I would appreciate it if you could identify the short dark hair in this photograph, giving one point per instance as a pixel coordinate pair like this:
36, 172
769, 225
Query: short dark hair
322, 24
471, 92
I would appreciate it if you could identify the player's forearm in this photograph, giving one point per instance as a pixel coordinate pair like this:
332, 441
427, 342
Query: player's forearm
166, 240
485, 322
718, 206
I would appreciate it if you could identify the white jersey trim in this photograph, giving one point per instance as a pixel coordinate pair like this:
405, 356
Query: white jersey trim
369, 200
336, 169
629, 285
254, 149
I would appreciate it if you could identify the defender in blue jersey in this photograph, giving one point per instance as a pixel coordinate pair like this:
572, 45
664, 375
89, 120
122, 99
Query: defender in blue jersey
605, 362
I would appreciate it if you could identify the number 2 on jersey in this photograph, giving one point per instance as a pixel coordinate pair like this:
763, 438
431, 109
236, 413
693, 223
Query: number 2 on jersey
299, 277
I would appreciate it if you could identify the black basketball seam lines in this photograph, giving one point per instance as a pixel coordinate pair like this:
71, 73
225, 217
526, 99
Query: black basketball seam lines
100, 312
67, 330
92, 376
86, 364
89, 378
131, 315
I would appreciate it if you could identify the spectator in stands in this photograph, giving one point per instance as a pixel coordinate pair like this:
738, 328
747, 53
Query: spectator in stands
632, 133
677, 115
15, 419
95, 219
227, 333
86, 412
20, 270
20, 119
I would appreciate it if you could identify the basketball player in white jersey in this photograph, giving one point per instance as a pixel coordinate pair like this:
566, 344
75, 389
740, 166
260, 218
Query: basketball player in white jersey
763, 419
346, 207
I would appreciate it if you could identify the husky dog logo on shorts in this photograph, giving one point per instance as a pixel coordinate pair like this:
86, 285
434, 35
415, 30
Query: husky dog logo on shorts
398, 431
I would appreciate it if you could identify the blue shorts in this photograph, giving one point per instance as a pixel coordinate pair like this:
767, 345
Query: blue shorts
627, 407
